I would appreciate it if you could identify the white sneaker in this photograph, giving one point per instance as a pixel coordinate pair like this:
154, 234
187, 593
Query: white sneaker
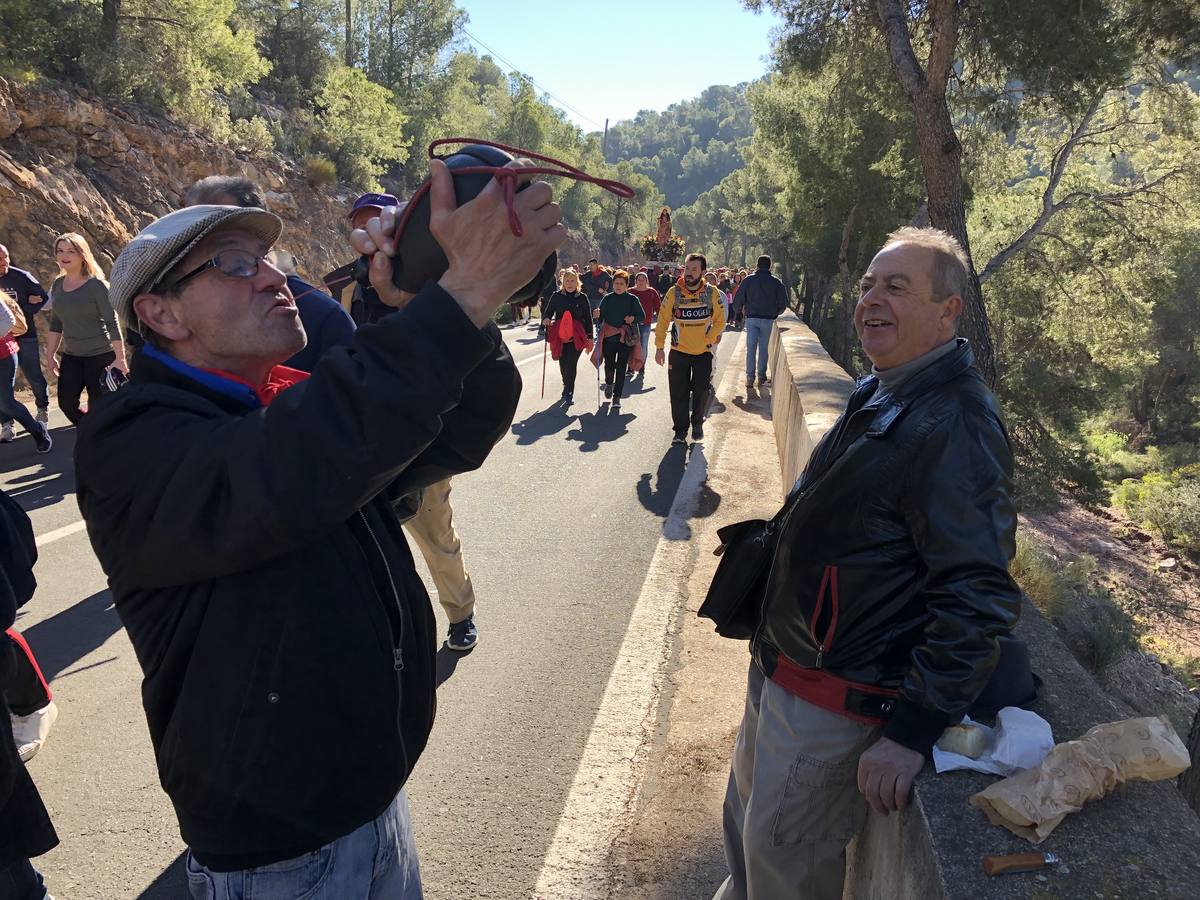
6, 433
43, 415
31, 731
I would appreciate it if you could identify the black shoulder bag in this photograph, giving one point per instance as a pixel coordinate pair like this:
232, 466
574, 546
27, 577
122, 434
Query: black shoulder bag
734, 600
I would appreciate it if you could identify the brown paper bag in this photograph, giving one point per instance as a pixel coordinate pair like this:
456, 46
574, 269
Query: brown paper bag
1032, 803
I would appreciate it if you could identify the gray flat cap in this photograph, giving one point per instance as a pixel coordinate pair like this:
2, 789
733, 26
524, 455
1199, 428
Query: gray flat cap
163, 243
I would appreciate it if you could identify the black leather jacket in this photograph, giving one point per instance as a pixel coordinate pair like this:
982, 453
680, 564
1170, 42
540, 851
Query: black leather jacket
892, 566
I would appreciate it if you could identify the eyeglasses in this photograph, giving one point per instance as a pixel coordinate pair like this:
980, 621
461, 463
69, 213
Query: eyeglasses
234, 263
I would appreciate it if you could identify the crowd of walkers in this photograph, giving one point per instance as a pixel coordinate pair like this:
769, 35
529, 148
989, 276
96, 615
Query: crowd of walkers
612, 313
247, 491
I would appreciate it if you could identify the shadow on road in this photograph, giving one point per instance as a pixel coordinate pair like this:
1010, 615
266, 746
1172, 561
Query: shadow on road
659, 496
600, 428
447, 662
55, 477
755, 401
542, 424
170, 885
637, 386
65, 638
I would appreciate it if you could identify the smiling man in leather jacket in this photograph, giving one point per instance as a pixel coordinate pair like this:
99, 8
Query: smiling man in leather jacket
888, 590
242, 513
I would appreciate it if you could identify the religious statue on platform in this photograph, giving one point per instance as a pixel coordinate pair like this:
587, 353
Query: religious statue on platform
664, 228
664, 245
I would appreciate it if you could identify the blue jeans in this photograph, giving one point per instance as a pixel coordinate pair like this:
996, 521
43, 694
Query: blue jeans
758, 341
644, 331
376, 862
10, 407
31, 367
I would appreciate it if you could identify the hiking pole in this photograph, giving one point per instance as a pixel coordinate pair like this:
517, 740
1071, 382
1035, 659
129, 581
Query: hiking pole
545, 348
597, 363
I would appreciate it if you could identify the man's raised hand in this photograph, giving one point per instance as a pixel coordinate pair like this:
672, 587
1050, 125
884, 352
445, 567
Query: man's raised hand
488, 263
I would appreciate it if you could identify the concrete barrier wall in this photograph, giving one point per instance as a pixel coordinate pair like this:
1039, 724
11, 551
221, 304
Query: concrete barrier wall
810, 392
1141, 842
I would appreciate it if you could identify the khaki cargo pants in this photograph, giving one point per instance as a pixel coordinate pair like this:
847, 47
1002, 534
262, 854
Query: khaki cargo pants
793, 804
432, 528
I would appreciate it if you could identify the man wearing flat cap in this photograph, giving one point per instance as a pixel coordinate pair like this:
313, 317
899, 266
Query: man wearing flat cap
241, 511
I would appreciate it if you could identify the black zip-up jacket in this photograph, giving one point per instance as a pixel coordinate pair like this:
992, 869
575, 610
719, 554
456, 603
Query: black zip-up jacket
286, 639
892, 566
595, 286
25, 829
576, 304
760, 296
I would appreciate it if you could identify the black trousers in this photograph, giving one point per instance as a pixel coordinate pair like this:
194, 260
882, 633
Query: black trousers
688, 376
76, 373
21, 881
25, 693
616, 363
568, 364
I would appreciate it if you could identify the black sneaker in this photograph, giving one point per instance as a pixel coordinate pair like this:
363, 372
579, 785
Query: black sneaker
607, 391
764, 379
567, 397
42, 440
463, 635
697, 432
680, 438
616, 404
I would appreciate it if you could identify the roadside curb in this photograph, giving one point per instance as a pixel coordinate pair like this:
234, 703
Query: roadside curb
672, 849
603, 807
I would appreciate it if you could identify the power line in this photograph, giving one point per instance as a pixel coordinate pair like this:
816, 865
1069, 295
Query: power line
545, 90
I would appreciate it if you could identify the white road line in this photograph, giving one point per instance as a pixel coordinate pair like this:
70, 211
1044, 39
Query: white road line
59, 533
607, 783
533, 359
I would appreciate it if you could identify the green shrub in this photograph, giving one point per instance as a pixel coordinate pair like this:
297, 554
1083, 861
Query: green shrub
253, 134
1041, 577
1128, 464
319, 171
1108, 633
1168, 504
1106, 444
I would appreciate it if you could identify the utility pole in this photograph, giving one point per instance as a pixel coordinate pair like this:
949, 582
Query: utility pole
604, 141
349, 37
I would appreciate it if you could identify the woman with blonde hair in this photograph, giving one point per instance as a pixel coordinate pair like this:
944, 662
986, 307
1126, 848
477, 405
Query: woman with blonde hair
567, 342
82, 325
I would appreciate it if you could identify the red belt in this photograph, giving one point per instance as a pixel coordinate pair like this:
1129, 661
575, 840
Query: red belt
860, 702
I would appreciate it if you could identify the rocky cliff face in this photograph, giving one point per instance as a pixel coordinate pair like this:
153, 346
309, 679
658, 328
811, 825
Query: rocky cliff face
70, 162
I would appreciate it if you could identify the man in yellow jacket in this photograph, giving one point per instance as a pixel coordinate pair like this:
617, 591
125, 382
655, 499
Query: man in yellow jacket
693, 312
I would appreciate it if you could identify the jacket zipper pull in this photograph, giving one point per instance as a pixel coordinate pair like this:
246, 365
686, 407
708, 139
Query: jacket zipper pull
820, 654
398, 657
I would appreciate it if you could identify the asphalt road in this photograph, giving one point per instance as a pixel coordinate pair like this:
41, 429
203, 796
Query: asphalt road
559, 528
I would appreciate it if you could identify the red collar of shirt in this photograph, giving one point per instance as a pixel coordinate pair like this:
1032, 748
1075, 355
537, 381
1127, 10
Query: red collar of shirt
278, 379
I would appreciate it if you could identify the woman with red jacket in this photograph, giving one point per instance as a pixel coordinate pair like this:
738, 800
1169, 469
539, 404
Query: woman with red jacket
568, 311
651, 300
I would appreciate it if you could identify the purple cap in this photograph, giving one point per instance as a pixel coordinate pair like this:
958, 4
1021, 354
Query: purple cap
376, 200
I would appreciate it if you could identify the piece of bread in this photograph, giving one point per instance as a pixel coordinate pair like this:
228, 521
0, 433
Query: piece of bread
965, 740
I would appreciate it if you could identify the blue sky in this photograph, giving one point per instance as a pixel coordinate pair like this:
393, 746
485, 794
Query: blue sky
582, 52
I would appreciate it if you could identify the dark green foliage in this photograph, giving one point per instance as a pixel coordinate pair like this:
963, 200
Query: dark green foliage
690, 146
